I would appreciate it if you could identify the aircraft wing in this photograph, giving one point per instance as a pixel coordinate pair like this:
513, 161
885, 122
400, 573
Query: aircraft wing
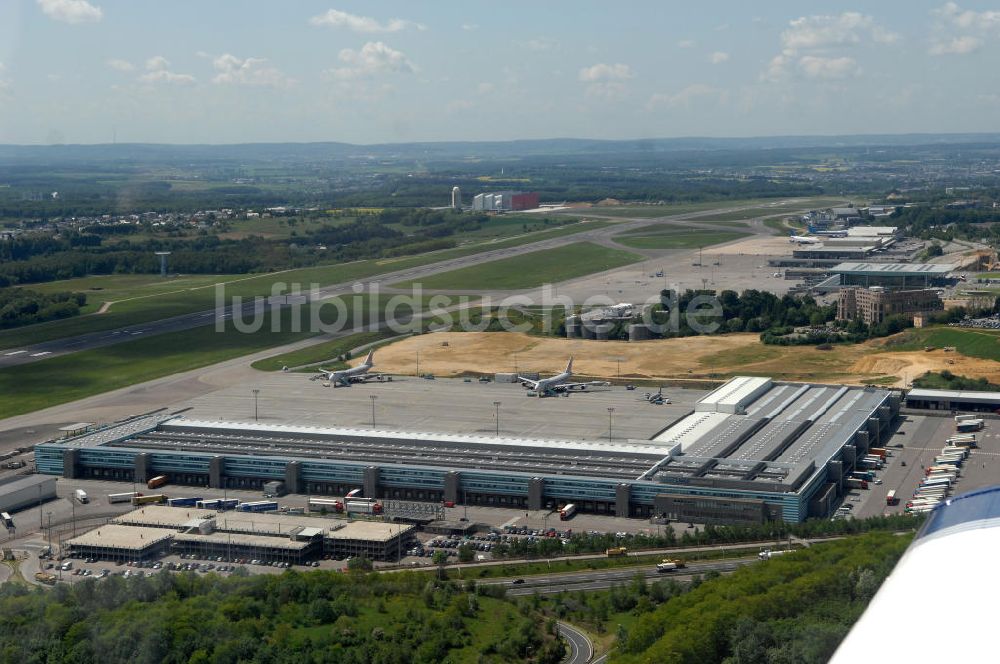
566, 387
527, 382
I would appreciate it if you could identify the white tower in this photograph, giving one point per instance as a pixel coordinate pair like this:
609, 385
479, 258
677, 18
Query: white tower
456, 198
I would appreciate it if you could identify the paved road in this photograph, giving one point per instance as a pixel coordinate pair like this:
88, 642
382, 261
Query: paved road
58, 347
581, 650
606, 578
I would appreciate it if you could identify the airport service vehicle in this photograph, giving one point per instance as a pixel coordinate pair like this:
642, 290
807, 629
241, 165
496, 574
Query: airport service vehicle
8, 522
183, 502
969, 425
258, 506
669, 565
855, 483
156, 482
767, 554
154, 499
616, 552
122, 497
362, 506
81, 496
890, 498
567, 512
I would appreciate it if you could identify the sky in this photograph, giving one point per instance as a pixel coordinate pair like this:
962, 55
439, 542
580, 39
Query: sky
239, 71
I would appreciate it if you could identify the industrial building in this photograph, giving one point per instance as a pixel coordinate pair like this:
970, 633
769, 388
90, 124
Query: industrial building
505, 201
966, 400
23, 491
873, 305
893, 276
155, 530
752, 450
599, 323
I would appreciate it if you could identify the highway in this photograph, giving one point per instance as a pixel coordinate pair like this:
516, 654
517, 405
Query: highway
59, 347
606, 578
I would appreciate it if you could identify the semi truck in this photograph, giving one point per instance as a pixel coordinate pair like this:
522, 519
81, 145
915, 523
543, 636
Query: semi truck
967, 426
767, 554
122, 497
567, 512
183, 502
325, 505
855, 483
8, 522
258, 506
362, 506
616, 552
81, 496
154, 499
880, 452
669, 565
156, 482
890, 498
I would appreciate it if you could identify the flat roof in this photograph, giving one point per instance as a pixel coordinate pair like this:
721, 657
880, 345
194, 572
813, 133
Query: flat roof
76, 426
260, 523
954, 395
372, 531
18, 482
901, 269
260, 541
117, 536
871, 230
161, 516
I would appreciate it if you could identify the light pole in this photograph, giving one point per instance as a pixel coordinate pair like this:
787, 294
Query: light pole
611, 412
373, 398
255, 393
496, 404
418, 363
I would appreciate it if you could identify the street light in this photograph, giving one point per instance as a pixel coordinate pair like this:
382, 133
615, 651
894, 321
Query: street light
255, 393
373, 398
611, 412
496, 404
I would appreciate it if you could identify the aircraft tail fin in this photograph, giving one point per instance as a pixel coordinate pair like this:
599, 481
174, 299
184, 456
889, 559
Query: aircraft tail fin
370, 360
569, 366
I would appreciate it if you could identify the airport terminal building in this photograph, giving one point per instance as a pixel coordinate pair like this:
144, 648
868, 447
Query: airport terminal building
750, 451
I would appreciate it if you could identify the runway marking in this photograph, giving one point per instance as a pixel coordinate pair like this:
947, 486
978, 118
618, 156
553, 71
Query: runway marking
16, 352
44, 352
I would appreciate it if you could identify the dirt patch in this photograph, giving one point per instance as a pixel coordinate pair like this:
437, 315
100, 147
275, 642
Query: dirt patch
706, 357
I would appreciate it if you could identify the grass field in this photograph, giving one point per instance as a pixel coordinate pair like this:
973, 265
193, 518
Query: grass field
984, 344
324, 353
29, 387
529, 270
152, 303
116, 287
755, 207
681, 240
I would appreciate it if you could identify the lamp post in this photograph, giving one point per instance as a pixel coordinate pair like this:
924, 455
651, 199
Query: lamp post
373, 398
255, 393
611, 412
496, 404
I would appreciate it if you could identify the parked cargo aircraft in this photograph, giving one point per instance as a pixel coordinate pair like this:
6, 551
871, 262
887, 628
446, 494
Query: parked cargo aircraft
802, 239
557, 383
358, 374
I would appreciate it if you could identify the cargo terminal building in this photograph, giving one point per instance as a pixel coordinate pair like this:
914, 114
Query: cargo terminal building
752, 450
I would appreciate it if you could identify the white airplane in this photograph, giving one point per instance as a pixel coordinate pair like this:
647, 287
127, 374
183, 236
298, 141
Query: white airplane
358, 374
802, 239
557, 383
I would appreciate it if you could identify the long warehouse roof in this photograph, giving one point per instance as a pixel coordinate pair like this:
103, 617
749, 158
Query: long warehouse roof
896, 269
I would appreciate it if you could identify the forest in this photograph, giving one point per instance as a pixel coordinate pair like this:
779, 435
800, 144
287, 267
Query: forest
21, 306
352, 618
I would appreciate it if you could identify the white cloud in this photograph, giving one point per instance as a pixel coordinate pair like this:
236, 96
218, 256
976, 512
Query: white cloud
157, 62
956, 46
373, 59
607, 81
809, 45
157, 72
120, 65
365, 24
486, 88
605, 72
71, 11
718, 57
686, 43
469, 27
814, 66
686, 96
540, 44
250, 71
812, 32
968, 19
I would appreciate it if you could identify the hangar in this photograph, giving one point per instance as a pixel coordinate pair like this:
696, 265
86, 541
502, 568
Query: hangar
750, 451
